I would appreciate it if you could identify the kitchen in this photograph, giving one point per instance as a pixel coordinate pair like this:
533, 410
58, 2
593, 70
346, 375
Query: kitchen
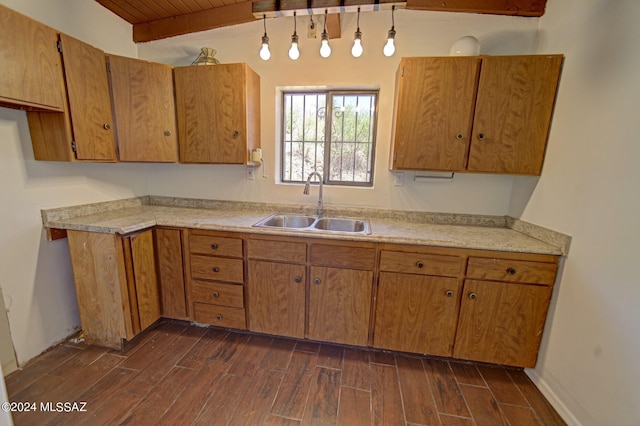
591, 326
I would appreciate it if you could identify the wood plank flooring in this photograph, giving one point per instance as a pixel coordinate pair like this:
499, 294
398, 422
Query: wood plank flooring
178, 373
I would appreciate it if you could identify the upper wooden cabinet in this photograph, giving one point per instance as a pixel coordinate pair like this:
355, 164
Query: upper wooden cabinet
476, 114
30, 64
144, 110
218, 111
84, 132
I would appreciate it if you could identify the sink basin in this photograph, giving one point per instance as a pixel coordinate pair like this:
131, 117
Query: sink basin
307, 223
287, 221
340, 225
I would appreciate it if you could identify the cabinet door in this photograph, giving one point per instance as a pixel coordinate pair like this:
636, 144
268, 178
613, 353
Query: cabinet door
29, 62
434, 108
142, 279
516, 95
89, 100
417, 313
340, 305
501, 323
144, 110
276, 296
171, 273
211, 111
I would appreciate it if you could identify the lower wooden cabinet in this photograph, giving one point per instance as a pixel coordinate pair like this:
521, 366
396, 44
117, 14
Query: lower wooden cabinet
116, 284
169, 256
215, 276
501, 323
417, 313
276, 298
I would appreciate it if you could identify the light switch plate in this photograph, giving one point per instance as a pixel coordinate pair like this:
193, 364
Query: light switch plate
251, 173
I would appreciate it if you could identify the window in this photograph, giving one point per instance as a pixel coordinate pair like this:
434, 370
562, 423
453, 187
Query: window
338, 141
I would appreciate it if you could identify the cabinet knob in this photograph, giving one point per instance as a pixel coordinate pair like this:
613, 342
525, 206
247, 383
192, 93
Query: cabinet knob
214, 246
511, 271
473, 296
216, 294
219, 317
481, 136
316, 281
107, 126
420, 265
236, 134
215, 269
449, 293
459, 136
167, 132
298, 279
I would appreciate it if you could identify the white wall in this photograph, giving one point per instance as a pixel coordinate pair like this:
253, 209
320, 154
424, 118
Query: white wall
418, 34
590, 189
35, 275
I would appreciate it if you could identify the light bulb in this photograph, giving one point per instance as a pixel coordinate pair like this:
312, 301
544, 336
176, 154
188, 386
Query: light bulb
390, 48
325, 49
294, 52
264, 51
357, 49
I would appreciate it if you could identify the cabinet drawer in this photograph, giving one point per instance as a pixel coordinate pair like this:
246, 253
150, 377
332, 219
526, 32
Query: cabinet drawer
222, 316
424, 264
522, 271
215, 246
217, 268
343, 256
288, 251
218, 294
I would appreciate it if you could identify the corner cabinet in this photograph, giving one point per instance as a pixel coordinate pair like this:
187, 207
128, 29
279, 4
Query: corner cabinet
144, 110
84, 131
218, 111
487, 114
116, 284
30, 64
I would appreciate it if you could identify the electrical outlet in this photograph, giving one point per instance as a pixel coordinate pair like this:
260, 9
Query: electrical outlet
251, 173
398, 178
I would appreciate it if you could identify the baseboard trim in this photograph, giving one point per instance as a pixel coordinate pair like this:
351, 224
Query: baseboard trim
553, 398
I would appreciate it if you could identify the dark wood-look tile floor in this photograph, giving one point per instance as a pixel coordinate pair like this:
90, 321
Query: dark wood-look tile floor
178, 373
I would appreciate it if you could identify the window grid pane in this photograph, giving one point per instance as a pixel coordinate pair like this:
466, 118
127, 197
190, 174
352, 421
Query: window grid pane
351, 122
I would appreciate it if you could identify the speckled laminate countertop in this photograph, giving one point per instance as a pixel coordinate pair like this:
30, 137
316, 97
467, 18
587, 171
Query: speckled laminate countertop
437, 229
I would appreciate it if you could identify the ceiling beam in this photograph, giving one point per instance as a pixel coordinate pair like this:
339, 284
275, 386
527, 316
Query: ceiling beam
208, 19
279, 8
528, 8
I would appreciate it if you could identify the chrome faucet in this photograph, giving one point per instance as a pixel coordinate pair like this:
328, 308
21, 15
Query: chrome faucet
306, 189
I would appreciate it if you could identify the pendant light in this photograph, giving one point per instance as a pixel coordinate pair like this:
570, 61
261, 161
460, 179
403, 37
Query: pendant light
390, 48
264, 50
294, 52
357, 49
325, 49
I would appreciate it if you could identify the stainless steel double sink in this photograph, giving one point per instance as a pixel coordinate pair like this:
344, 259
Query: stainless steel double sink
315, 224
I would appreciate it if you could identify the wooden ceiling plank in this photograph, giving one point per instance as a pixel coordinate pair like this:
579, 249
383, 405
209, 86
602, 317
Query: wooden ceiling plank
528, 8
129, 14
171, 7
193, 22
145, 8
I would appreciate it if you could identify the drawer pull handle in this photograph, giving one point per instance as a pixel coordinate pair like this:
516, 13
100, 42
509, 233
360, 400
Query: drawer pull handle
298, 279
316, 281
420, 265
481, 136
106, 126
216, 294
214, 246
449, 293
459, 136
473, 296
219, 317
511, 271
215, 269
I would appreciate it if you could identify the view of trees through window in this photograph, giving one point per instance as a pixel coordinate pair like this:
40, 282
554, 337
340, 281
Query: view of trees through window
347, 127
